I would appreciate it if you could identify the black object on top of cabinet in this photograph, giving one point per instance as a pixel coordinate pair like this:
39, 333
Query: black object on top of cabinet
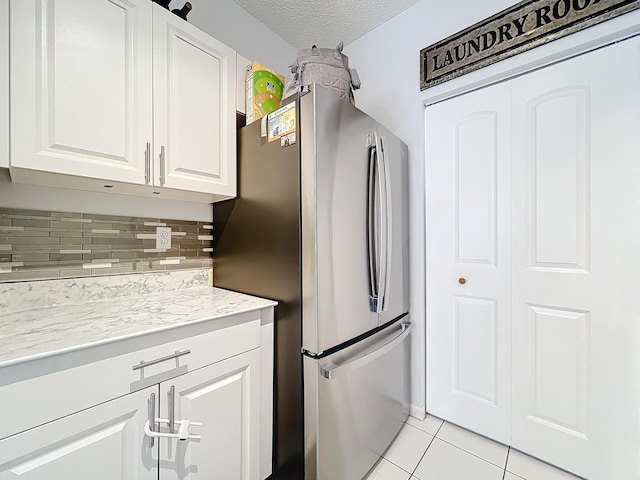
182, 12
163, 3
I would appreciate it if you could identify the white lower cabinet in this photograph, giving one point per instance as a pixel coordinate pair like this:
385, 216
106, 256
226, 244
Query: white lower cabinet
225, 398
215, 387
106, 442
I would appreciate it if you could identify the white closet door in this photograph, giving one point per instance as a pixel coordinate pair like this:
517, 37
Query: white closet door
576, 263
468, 240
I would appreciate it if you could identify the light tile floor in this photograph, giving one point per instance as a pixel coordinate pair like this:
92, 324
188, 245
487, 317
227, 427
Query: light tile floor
435, 450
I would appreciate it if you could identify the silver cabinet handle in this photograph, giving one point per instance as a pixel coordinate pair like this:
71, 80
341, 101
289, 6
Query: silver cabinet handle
177, 354
151, 421
172, 409
147, 164
331, 371
162, 165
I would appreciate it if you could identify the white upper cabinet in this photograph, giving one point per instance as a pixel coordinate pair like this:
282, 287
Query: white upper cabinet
124, 94
4, 83
81, 87
194, 108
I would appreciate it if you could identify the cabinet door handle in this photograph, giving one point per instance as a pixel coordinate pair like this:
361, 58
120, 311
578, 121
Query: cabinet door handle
147, 164
152, 418
162, 164
143, 364
172, 409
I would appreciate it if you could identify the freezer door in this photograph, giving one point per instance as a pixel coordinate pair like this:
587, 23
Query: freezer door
335, 146
356, 401
392, 154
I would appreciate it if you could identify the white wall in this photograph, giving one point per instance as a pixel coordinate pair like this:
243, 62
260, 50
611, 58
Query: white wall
234, 26
387, 60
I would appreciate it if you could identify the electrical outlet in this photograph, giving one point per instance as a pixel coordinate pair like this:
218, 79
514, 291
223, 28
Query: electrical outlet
163, 238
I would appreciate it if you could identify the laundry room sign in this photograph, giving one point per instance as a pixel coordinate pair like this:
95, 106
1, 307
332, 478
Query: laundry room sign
519, 28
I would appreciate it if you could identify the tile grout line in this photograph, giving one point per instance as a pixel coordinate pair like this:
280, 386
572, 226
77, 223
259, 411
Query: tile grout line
425, 451
423, 454
393, 463
438, 430
504, 474
471, 453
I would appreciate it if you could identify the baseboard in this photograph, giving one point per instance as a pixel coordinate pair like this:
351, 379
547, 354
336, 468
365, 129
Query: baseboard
417, 412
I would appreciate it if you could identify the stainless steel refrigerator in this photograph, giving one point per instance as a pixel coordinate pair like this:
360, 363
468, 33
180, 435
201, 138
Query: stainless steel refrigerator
321, 225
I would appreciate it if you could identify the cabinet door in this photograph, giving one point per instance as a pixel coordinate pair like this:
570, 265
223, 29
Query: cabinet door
81, 87
194, 108
225, 397
106, 442
4, 83
468, 257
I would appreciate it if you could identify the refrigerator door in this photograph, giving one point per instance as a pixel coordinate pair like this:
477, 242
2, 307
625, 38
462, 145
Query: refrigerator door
335, 140
393, 225
356, 401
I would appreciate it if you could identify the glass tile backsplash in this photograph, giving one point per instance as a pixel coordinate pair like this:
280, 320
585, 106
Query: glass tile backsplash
38, 244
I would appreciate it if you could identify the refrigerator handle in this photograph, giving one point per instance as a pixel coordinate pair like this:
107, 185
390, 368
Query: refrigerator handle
387, 226
331, 371
372, 249
379, 251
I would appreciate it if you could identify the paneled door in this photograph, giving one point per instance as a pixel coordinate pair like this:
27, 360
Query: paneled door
225, 398
576, 263
105, 442
194, 108
468, 261
90, 121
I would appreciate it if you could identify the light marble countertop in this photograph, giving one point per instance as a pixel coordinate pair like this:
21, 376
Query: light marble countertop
43, 330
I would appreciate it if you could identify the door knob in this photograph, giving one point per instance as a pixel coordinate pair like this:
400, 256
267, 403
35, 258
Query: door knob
462, 281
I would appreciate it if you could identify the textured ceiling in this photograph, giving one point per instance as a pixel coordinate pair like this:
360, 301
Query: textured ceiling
324, 23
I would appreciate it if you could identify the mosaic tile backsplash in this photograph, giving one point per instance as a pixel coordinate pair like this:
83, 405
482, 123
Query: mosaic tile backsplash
38, 245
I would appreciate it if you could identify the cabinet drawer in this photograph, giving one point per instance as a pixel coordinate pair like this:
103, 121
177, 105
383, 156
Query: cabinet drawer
155, 364
43, 390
